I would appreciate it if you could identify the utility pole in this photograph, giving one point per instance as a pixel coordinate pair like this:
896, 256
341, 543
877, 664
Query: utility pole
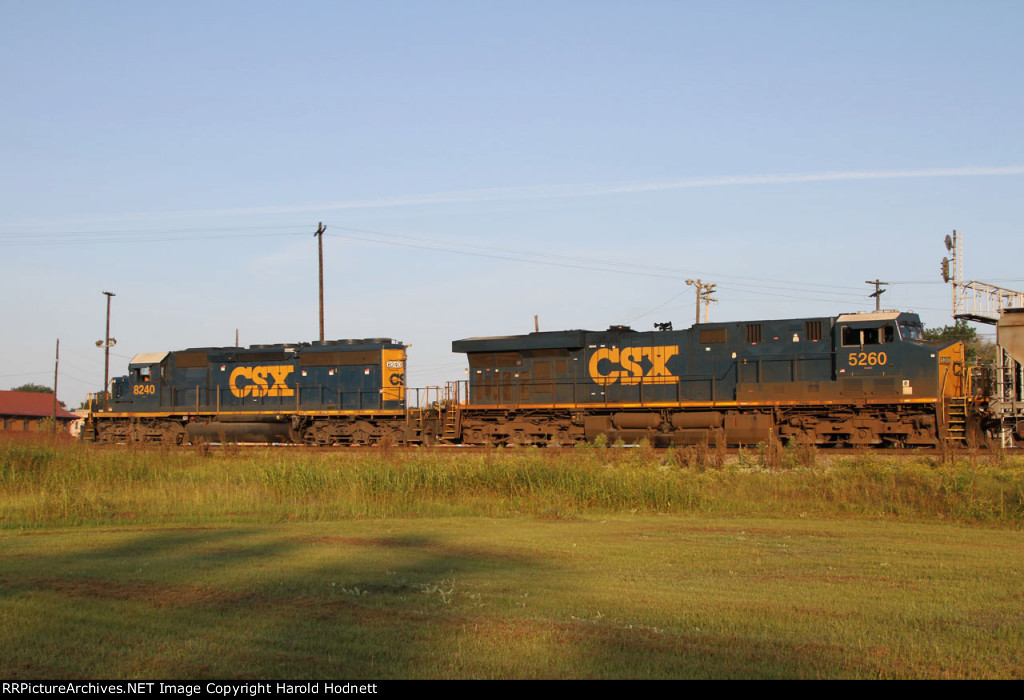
698, 285
56, 367
320, 245
878, 292
106, 343
704, 292
708, 291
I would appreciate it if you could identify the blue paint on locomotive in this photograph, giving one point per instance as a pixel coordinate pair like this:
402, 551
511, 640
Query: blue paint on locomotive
848, 358
344, 375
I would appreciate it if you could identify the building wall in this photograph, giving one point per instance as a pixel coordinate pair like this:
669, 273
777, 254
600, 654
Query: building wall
22, 424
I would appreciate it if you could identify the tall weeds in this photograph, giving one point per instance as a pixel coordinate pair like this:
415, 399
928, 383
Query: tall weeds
43, 484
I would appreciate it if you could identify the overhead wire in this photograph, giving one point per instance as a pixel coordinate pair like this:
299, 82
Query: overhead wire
155, 235
808, 291
449, 245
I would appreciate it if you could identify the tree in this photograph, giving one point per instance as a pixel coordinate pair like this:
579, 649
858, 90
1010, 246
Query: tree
37, 389
34, 388
978, 350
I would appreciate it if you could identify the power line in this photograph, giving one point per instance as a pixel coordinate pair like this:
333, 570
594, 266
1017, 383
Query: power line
453, 246
151, 235
140, 235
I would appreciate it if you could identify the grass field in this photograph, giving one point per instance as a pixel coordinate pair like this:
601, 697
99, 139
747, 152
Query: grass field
575, 563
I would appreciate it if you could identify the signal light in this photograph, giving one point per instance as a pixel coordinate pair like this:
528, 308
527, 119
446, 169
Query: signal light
945, 269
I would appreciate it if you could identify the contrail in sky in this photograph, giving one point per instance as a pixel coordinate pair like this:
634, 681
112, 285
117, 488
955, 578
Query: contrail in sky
563, 191
523, 193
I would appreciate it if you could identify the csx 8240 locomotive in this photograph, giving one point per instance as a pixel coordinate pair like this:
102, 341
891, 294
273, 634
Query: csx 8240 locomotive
854, 379
335, 392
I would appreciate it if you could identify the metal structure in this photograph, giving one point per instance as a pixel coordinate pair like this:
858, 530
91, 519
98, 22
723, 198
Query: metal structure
973, 300
981, 302
1007, 401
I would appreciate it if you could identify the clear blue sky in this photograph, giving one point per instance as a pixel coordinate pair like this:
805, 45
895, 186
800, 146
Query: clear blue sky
477, 163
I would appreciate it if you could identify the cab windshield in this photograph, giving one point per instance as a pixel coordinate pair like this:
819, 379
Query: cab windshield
911, 331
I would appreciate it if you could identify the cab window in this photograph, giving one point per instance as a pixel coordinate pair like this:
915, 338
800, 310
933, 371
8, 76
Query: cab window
851, 336
868, 336
912, 331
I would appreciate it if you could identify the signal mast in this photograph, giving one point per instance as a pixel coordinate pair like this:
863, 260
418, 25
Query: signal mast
1003, 308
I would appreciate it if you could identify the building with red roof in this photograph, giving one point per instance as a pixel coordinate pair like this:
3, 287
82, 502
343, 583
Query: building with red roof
24, 411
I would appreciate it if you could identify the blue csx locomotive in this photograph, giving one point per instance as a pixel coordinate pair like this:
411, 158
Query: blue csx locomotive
335, 392
853, 379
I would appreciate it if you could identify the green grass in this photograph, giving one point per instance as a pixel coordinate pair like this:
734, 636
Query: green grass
618, 597
580, 563
43, 485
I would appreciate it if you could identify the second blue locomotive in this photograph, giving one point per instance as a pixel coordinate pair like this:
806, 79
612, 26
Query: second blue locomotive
334, 392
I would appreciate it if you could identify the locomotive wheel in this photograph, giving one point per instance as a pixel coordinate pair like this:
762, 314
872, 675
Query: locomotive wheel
174, 434
315, 435
109, 434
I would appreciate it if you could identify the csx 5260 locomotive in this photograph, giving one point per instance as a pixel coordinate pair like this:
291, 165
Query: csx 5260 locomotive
854, 379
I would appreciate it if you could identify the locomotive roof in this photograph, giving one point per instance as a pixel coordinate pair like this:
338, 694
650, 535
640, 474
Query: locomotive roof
533, 341
871, 316
152, 358
314, 346
148, 358
577, 338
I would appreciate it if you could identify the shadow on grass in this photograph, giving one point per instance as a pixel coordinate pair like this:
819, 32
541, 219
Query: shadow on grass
325, 602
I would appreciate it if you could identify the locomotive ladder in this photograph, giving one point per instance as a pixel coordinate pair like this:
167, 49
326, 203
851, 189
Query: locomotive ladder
451, 412
956, 419
451, 421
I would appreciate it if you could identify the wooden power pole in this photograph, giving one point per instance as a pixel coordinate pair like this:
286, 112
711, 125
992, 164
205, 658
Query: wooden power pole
878, 292
704, 292
320, 245
105, 344
56, 368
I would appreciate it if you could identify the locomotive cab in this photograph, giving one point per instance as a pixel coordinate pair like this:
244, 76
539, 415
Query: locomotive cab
142, 388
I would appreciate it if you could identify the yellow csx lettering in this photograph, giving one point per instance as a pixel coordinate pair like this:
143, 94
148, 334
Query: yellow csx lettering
265, 380
625, 365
